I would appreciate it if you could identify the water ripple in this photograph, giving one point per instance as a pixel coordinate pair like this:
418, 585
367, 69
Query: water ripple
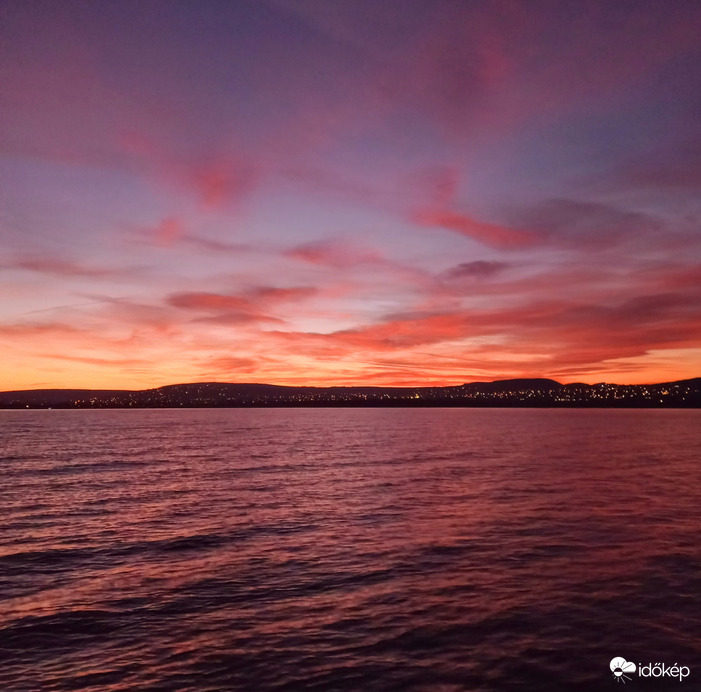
408, 550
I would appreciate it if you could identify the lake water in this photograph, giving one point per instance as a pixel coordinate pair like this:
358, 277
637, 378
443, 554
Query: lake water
348, 549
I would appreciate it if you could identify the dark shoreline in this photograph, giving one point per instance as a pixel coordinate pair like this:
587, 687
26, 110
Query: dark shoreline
523, 393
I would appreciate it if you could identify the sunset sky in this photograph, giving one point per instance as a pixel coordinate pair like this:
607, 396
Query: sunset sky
362, 191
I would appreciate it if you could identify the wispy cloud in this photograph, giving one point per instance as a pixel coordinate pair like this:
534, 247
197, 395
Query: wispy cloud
335, 253
56, 266
487, 233
477, 270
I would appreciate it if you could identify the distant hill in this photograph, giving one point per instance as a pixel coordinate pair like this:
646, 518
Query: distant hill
515, 392
534, 384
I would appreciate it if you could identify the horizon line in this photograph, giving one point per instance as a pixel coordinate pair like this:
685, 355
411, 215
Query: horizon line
345, 386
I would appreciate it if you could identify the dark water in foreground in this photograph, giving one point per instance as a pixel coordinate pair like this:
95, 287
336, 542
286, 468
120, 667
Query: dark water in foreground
356, 549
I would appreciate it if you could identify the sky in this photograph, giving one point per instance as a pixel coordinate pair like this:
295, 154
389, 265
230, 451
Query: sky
378, 192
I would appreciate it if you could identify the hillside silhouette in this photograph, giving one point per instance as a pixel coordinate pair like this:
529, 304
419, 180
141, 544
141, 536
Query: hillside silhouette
506, 393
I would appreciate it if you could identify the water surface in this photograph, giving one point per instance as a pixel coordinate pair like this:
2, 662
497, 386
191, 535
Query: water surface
347, 549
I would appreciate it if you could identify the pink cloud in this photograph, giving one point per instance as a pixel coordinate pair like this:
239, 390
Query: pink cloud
219, 182
208, 301
487, 69
274, 294
168, 231
172, 231
216, 180
250, 306
64, 268
338, 254
477, 270
489, 234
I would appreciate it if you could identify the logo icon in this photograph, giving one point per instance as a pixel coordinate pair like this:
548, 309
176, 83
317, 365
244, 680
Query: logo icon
619, 667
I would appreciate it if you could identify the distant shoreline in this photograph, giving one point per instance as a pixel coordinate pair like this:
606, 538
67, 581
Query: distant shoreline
521, 393
548, 407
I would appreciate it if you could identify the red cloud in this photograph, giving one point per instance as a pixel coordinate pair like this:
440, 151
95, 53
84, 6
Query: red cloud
487, 233
208, 301
538, 338
221, 309
442, 188
248, 307
275, 294
222, 181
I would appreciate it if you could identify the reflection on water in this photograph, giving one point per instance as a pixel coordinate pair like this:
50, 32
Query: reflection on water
359, 549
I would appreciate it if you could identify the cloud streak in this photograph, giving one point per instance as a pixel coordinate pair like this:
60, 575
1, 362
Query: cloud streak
489, 234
